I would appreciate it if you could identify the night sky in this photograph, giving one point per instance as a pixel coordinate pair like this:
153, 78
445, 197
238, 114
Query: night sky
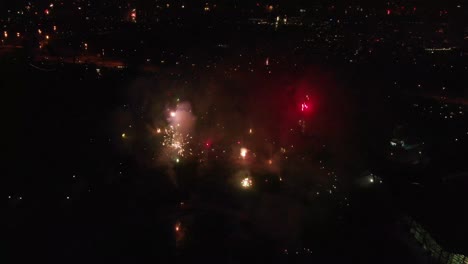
234, 131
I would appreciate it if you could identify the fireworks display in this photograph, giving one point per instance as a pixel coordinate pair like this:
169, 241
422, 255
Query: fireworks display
207, 129
246, 182
192, 128
223, 130
175, 140
177, 133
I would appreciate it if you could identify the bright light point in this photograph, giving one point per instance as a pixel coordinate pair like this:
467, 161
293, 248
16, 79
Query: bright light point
270, 162
250, 131
124, 135
68, 197
158, 130
243, 152
177, 160
246, 182
304, 106
173, 114
371, 180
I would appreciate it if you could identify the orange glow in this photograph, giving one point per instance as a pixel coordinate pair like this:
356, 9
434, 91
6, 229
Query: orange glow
177, 227
243, 152
246, 183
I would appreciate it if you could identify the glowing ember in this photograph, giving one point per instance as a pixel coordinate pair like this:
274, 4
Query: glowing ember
243, 152
246, 182
304, 106
173, 114
177, 227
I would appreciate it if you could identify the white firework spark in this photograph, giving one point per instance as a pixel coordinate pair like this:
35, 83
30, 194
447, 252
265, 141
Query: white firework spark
177, 133
175, 140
